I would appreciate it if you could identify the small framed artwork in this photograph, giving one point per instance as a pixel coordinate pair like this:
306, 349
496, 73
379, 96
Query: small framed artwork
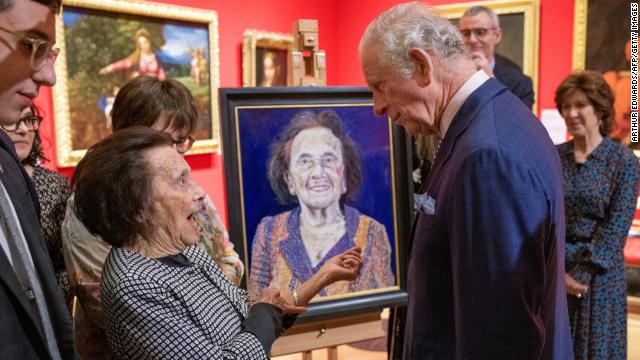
105, 43
264, 58
312, 172
520, 23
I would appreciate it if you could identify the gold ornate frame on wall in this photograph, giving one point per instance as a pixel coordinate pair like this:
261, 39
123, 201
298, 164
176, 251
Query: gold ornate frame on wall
253, 39
65, 153
579, 34
531, 41
618, 28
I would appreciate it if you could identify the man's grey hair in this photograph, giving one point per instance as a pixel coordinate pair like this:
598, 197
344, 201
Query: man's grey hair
405, 26
475, 10
54, 5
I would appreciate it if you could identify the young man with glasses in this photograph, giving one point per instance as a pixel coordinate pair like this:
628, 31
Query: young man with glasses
34, 320
481, 32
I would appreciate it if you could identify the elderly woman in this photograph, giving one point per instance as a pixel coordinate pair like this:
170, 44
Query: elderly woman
163, 296
168, 106
53, 189
601, 187
316, 164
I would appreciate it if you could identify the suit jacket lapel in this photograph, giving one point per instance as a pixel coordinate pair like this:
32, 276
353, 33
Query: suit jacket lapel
461, 121
7, 144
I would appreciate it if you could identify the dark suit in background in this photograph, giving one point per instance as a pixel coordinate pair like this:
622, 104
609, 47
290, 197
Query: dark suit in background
21, 335
486, 270
511, 76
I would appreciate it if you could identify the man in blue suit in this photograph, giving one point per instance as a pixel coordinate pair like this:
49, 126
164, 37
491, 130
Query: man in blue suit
486, 269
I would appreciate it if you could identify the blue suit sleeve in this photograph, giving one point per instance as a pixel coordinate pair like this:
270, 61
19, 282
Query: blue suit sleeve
499, 223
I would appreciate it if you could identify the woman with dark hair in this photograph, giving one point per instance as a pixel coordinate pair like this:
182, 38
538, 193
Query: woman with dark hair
316, 164
601, 189
163, 296
163, 105
53, 189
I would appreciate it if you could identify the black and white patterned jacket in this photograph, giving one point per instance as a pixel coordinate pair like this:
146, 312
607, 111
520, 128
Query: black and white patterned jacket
156, 311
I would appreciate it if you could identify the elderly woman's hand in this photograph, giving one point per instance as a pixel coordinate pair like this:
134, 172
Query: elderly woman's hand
283, 300
344, 266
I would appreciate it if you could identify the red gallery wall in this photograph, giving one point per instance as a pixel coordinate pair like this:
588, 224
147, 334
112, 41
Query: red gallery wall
341, 24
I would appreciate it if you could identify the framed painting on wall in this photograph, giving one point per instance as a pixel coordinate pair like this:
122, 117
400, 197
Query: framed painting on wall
292, 153
520, 23
265, 56
105, 43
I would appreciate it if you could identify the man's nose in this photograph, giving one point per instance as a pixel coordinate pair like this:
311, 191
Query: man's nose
380, 104
46, 75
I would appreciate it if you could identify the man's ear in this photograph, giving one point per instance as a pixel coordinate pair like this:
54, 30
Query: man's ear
498, 32
423, 66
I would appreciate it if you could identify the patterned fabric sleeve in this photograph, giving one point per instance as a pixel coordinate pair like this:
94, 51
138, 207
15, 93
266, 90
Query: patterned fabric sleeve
214, 239
610, 236
376, 270
260, 274
168, 336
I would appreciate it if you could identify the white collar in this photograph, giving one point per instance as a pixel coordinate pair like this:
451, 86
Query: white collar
473, 83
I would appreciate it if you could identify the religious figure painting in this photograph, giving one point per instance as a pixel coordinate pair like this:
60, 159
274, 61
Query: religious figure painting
310, 183
106, 43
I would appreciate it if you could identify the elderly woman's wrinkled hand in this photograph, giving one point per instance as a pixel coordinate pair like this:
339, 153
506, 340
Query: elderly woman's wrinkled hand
344, 266
283, 300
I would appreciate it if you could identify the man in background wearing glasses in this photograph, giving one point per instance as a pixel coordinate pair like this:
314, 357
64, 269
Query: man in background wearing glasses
481, 32
34, 320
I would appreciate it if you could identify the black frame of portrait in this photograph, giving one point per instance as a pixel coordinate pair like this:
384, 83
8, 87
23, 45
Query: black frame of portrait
233, 100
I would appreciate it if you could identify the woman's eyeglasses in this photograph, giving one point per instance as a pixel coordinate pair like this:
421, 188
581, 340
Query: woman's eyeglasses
31, 122
39, 50
183, 144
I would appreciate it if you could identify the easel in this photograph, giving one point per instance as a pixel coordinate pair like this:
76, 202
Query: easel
307, 64
329, 334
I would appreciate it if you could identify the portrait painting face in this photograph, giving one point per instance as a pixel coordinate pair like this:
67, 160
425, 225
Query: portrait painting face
271, 67
316, 170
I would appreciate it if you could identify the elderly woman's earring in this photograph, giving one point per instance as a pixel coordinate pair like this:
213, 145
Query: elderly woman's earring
292, 191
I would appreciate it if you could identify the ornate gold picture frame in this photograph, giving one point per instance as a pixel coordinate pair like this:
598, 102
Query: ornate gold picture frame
104, 43
598, 25
520, 23
265, 57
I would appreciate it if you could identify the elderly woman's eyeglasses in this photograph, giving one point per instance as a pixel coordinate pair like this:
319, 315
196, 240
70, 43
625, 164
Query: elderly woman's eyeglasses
479, 32
40, 51
183, 144
31, 122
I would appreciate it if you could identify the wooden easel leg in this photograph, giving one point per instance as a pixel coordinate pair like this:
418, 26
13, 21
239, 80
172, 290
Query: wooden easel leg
306, 355
332, 353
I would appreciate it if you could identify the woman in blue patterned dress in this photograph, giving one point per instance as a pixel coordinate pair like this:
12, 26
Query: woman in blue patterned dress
601, 187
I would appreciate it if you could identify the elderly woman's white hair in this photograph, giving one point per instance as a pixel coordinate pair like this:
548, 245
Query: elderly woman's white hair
410, 25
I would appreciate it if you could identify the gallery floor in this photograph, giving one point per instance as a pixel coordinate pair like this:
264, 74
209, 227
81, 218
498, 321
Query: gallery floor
351, 353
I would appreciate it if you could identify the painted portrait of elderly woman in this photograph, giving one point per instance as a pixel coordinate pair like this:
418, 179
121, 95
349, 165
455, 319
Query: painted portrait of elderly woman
315, 166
